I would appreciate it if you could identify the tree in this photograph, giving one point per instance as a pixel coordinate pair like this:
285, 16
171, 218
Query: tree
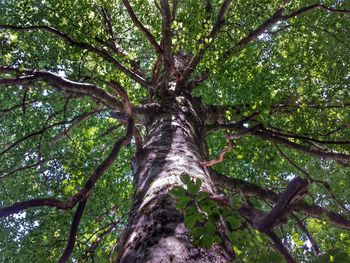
174, 131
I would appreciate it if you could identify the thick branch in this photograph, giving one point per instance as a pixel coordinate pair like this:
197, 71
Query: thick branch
60, 82
128, 109
277, 243
73, 232
20, 206
295, 191
254, 33
282, 209
71, 86
166, 40
141, 27
249, 189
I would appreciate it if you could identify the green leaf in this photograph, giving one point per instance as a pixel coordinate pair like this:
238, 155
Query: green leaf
191, 220
235, 236
185, 178
177, 191
184, 199
234, 221
202, 196
210, 228
198, 183
193, 188
207, 241
217, 239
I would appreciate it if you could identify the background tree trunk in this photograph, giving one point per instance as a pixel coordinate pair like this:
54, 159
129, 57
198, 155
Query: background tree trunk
174, 145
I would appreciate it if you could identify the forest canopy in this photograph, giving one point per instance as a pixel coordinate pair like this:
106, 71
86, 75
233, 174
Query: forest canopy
80, 79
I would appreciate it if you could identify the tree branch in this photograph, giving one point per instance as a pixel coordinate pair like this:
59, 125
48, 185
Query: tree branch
5, 173
89, 253
341, 157
313, 7
230, 145
307, 233
254, 34
211, 37
73, 232
276, 17
322, 183
174, 9
128, 109
249, 189
198, 80
306, 138
251, 214
111, 43
20, 206
108, 24
217, 112
265, 222
103, 53
141, 27
222, 154
60, 82
83, 193
41, 131
277, 243
74, 122
166, 40
295, 191
262, 133
12, 108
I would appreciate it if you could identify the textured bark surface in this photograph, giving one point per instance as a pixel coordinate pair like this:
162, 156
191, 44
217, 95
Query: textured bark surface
173, 146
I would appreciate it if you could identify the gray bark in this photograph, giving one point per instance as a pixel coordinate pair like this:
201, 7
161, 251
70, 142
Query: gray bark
174, 145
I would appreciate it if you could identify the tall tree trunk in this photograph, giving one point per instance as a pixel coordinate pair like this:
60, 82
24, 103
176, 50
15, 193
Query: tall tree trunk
174, 145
